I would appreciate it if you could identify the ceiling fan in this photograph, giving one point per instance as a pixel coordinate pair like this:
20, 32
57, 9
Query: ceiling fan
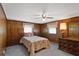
43, 17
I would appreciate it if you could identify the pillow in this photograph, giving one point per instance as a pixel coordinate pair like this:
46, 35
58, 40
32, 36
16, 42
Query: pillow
28, 34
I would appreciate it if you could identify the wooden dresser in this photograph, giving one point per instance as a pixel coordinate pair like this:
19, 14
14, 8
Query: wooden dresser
69, 45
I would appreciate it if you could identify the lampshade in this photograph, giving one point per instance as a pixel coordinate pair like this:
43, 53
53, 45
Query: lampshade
63, 26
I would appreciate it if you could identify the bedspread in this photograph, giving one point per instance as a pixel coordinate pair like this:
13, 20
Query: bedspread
35, 43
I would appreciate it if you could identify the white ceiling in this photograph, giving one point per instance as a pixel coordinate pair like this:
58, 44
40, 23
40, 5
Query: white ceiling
28, 11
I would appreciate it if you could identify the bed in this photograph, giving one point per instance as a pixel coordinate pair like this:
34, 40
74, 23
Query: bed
34, 43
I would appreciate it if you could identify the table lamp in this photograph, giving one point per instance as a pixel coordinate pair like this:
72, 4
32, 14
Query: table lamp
63, 27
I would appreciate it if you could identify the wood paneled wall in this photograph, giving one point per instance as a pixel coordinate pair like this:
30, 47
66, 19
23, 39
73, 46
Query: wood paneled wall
59, 32
37, 29
2, 30
55, 37
14, 32
74, 29
44, 30
45, 33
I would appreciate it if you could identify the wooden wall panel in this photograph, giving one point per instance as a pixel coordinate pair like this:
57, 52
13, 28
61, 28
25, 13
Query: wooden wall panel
74, 30
59, 33
14, 32
2, 30
44, 30
15, 29
37, 30
67, 32
45, 33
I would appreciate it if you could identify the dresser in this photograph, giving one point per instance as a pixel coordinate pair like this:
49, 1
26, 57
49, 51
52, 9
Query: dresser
69, 45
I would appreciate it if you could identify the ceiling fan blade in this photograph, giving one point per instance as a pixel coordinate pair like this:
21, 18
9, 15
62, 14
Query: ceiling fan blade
38, 18
37, 15
49, 17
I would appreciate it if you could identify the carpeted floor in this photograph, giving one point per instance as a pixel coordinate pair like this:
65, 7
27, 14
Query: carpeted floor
20, 50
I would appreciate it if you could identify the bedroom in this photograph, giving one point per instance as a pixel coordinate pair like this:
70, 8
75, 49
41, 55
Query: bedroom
54, 25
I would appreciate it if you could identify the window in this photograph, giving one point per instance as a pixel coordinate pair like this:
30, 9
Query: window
28, 28
52, 28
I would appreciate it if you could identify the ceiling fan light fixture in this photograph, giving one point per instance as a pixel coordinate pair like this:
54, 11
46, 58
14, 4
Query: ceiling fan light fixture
43, 19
